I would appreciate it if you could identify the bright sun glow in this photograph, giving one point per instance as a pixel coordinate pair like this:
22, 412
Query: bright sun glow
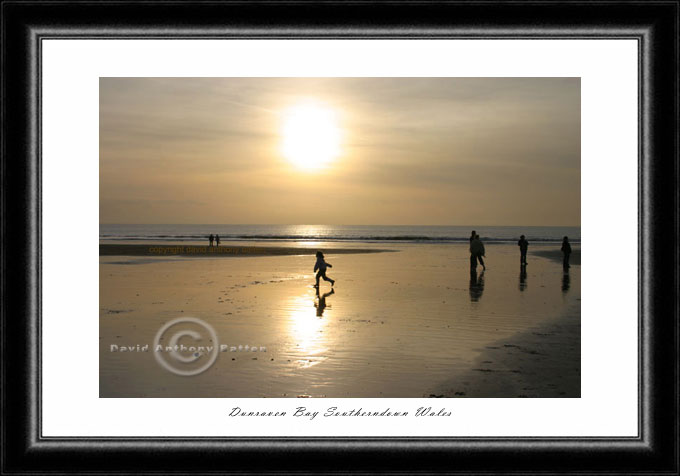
311, 136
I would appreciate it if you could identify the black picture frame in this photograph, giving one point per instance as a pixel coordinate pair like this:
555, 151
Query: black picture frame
654, 24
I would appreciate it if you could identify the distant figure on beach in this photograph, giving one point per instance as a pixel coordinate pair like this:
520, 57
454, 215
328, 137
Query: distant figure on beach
217, 240
211, 238
476, 285
476, 253
321, 305
320, 268
566, 251
522, 277
523, 246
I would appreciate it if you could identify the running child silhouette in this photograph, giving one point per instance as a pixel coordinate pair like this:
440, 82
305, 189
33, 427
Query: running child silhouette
320, 267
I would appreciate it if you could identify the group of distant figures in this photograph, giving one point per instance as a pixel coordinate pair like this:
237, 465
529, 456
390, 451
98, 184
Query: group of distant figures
477, 254
214, 240
477, 251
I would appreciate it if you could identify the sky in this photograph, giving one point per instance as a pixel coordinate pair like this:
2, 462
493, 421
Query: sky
360, 151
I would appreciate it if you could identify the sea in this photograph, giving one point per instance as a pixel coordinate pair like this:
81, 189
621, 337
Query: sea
336, 233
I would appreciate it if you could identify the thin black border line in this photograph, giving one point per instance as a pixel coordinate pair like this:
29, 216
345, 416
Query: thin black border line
643, 417
644, 144
676, 260
348, 2
360, 3
34, 147
39, 330
336, 33
258, 34
3, 213
202, 38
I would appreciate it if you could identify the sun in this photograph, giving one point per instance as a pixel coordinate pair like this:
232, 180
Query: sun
310, 135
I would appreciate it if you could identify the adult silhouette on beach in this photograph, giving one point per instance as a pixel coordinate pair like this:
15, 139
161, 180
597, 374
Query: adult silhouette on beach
473, 259
211, 238
476, 253
566, 252
321, 305
523, 246
217, 240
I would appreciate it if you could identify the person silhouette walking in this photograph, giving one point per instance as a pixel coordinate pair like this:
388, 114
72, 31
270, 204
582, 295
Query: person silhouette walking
476, 253
566, 252
523, 246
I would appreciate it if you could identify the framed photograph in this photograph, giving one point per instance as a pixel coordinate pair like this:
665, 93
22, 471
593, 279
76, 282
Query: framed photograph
319, 237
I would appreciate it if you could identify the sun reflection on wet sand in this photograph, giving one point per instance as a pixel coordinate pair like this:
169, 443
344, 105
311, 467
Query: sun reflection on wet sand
307, 330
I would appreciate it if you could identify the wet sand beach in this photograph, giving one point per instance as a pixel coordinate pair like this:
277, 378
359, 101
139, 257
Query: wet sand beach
556, 255
539, 362
410, 323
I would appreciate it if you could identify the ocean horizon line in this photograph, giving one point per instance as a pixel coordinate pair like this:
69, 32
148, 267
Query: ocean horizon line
334, 233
